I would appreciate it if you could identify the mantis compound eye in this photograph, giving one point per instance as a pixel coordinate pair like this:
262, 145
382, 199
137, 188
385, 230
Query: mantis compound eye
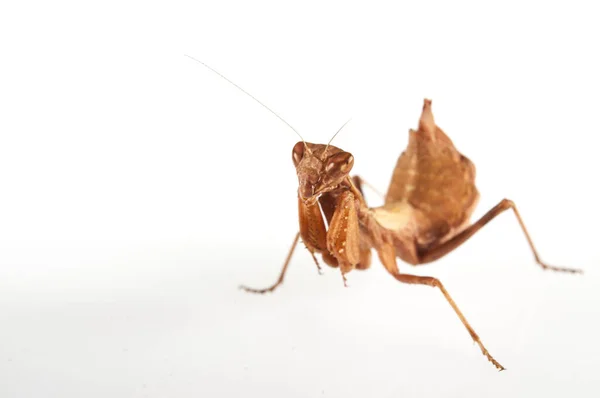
298, 152
340, 163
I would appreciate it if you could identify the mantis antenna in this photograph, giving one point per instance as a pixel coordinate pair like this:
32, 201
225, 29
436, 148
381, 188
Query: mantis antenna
251, 96
336, 133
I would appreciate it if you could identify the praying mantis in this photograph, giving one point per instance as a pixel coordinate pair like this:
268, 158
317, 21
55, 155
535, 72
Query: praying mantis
426, 212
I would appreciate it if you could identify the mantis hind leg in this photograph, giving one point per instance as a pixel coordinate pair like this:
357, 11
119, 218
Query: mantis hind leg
436, 251
387, 255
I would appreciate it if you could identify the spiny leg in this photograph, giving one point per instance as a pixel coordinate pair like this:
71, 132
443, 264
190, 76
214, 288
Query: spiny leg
364, 247
343, 236
313, 231
435, 252
387, 255
281, 275
319, 269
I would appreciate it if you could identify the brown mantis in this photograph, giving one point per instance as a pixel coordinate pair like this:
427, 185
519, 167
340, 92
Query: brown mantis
426, 213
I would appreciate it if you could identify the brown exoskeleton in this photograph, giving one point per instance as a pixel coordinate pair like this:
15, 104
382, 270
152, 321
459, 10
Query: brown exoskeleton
426, 213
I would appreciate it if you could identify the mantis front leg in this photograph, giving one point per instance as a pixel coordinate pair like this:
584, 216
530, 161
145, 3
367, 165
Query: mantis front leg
314, 236
343, 236
340, 245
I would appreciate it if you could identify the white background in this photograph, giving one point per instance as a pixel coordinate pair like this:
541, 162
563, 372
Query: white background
138, 189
